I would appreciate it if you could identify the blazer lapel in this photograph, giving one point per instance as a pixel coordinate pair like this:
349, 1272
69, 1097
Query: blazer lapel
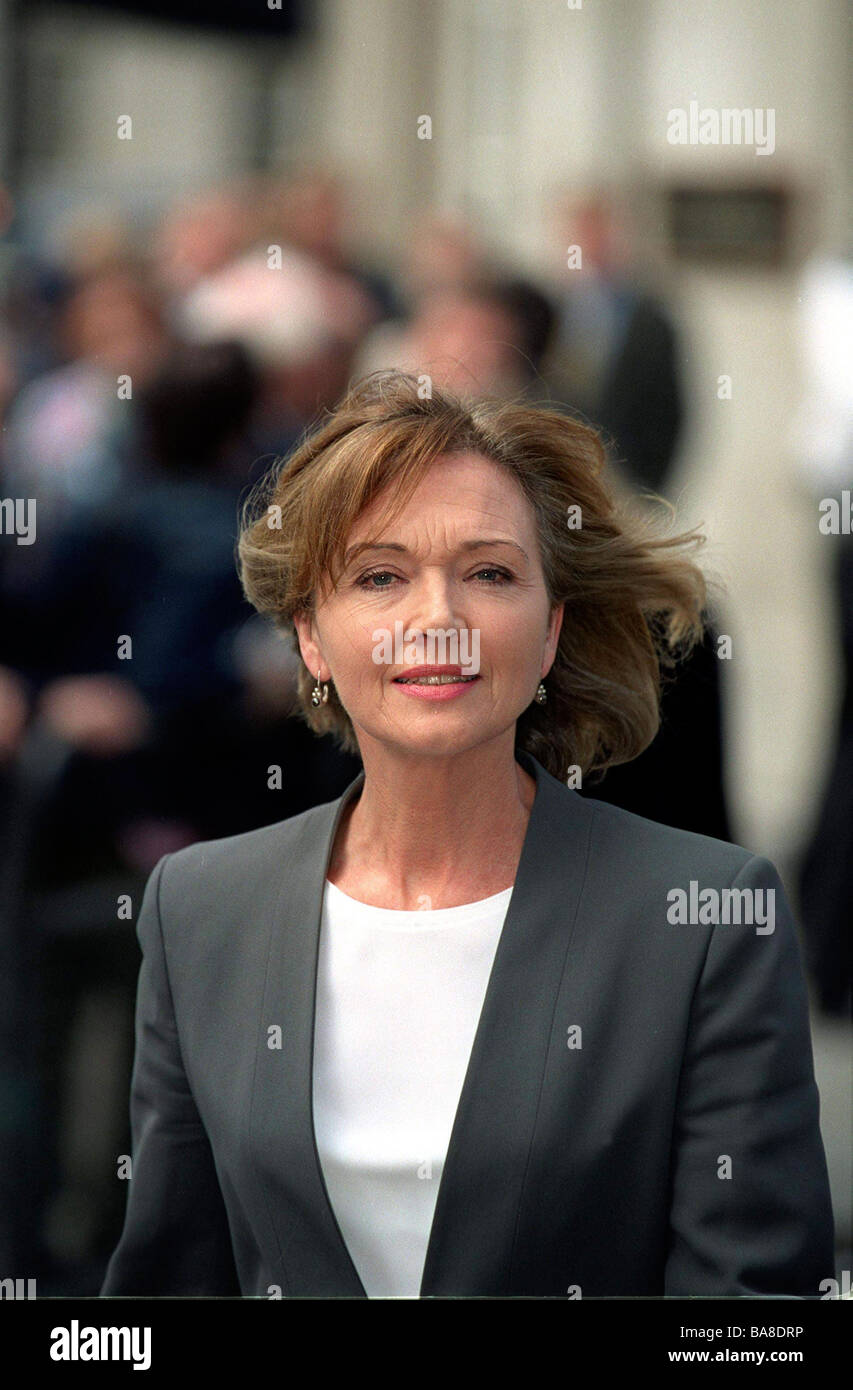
471, 1241
312, 1251
473, 1231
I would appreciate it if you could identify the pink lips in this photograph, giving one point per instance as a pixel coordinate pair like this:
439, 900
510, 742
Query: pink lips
434, 692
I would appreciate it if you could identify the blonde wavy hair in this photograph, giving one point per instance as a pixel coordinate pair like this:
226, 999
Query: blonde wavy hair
634, 596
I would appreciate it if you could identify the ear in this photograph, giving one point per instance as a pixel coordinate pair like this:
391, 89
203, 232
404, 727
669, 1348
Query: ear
555, 624
306, 631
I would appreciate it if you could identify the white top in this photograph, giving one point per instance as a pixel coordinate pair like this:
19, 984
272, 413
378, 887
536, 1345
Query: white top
399, 997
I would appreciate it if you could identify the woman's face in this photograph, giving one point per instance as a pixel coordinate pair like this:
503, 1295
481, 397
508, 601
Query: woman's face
462, 560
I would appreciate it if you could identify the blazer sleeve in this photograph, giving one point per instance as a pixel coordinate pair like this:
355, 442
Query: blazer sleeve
176, 1238
760, 1224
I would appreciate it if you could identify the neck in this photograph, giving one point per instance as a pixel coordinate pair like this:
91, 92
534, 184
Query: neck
443, 830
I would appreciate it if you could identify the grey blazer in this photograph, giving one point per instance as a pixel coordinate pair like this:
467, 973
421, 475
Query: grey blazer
639, 1114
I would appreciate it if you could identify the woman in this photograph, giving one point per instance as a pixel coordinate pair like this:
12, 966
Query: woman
463, 1031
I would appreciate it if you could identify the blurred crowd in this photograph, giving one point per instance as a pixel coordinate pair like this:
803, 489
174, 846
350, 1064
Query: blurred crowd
148, 379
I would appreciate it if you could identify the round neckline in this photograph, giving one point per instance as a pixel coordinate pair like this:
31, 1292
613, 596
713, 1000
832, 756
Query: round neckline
421, 916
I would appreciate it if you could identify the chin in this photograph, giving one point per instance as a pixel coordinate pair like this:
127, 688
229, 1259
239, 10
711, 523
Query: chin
442, 743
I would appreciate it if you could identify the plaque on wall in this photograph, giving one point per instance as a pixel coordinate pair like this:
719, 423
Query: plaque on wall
750, 225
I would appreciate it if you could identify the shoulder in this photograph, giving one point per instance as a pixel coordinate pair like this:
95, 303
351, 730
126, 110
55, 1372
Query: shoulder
617, 827
632, 849
701, 904
639, 871
213, 904
216, 865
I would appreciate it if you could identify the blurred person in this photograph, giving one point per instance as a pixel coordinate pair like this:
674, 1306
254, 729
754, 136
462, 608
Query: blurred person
108, 775
487, 337
614, 360
14, 695
35, 749
443, 253
14, 689
443, 256
616, 355
201, 233
32, 289
459, 891
311, 212
16, 1074
156, 565
468, 342
71, 429
301, 324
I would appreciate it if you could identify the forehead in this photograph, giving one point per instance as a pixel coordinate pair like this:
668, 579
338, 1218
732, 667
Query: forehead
457, 490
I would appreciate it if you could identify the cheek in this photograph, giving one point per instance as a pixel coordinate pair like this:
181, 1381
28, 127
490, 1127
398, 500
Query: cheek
518, 632
354, 639
355, 652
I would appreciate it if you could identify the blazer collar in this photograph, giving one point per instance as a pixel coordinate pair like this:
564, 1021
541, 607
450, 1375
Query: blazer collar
480, 1188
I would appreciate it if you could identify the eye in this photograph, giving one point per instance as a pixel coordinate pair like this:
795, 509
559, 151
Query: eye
504, 576
364, 580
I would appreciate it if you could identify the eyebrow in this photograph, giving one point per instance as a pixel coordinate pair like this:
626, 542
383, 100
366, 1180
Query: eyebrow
478, 544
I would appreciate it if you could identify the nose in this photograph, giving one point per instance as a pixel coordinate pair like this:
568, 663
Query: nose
435, 601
